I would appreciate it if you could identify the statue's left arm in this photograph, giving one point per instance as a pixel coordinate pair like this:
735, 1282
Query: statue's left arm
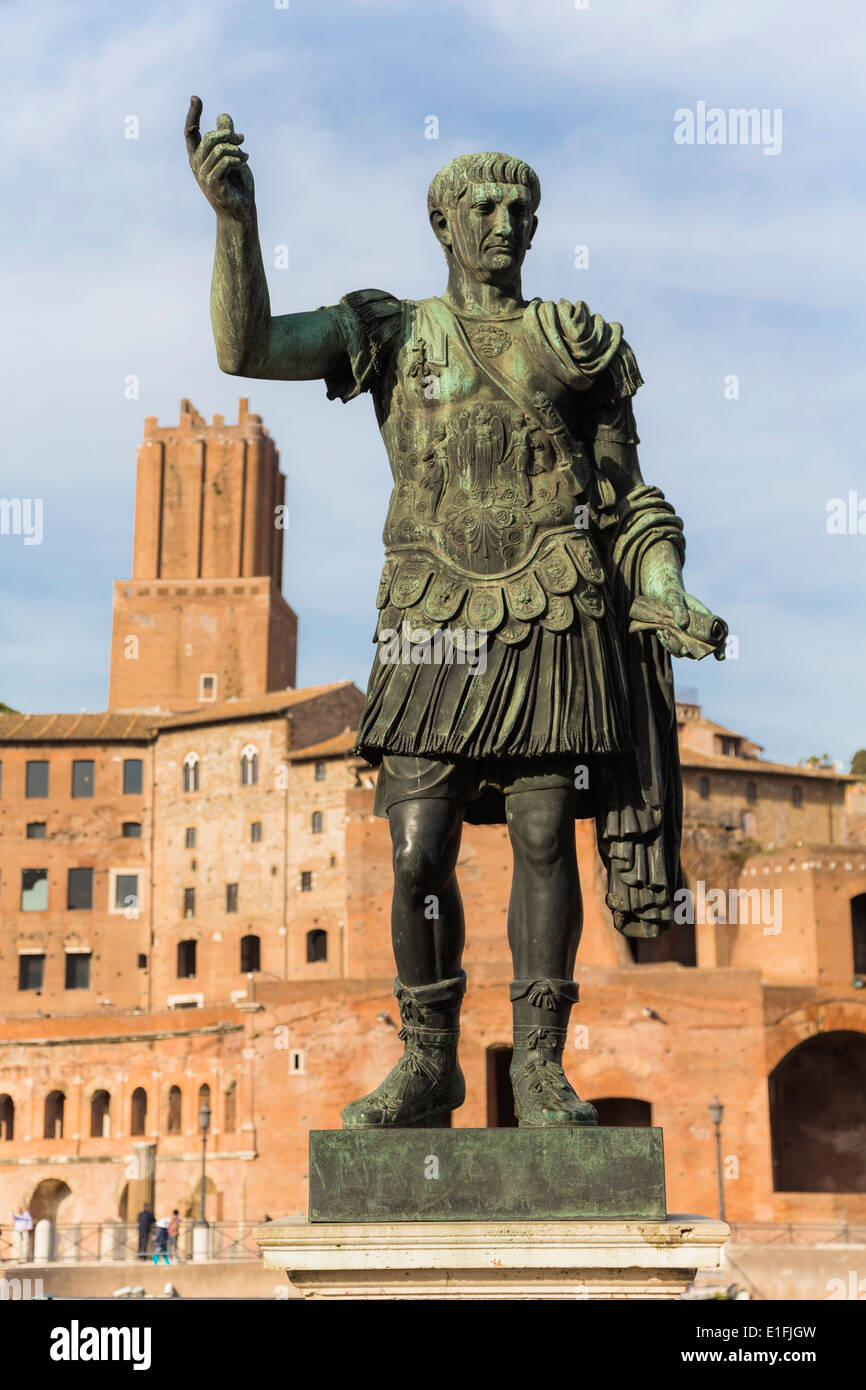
659, 574
643, 533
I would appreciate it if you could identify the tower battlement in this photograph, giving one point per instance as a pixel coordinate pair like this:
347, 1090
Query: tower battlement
209, 506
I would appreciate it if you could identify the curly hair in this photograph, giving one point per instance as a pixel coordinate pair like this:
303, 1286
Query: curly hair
452, 181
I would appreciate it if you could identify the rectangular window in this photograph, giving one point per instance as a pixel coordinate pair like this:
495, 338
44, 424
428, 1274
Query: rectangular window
306, 880
37, 779
36, 830
231, 897
78, 970
207, 686
189, 902
186, 960
82, 777
132, 776
31, 971
34, 890
126, 893
321, 772
132, 830
256, 831
189, 837
79, 889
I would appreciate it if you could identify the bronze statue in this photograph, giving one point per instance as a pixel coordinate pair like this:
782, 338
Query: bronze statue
531, 596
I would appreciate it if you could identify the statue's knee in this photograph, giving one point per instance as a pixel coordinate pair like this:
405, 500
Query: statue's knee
537, 838
417, 865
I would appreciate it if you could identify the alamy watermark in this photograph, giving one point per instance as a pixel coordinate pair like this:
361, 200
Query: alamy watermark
738, 125
757, 907
846, 517
444, 647
22, 516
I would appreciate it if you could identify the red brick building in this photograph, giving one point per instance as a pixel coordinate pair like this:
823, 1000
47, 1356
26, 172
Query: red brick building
194, 901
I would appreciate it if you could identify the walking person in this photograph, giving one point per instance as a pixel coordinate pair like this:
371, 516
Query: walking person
160, 1241
22, 1225
145, 1222
173, 1233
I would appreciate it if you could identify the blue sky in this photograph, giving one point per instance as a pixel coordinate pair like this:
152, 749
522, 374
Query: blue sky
718, 260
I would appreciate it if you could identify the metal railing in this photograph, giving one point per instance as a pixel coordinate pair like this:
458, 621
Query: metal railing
85, 1242
797, 1233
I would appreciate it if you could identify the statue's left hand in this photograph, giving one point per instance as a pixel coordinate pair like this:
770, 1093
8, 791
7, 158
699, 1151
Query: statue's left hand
683, 625
682, 606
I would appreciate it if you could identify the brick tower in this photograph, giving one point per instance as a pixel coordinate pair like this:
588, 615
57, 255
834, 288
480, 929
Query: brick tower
203, 617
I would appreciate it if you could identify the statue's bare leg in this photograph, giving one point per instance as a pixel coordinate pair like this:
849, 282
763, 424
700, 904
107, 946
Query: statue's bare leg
545, 918
545, 912
427, 926
428, 933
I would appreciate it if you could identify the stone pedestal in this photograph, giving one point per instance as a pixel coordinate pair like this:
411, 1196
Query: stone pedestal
493, 1259
567, 1174
490, 1214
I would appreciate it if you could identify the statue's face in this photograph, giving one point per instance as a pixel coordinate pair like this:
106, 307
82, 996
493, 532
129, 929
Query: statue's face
490, 230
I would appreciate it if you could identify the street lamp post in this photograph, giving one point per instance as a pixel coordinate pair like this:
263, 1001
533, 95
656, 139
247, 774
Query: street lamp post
200, 1228
717, 1110
204, 1126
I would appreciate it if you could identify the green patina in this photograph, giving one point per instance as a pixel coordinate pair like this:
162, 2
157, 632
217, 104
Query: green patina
567, 1174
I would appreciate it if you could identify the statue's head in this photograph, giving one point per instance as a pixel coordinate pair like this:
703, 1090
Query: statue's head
482, 209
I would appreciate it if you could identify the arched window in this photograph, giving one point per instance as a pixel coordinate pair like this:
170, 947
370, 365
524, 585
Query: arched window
249, 766
7, 1118
138, 1111
858, 932
251, 954
317, 945
318, 823
190, 772
675, 944
704, 788
818, 1115
751, 791
797, 796
100, 1115
203, 1099
230, 1108
55, 1103
173, 1117
623, 1111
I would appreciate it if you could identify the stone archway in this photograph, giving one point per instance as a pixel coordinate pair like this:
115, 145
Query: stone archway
46, 1199
818, 1115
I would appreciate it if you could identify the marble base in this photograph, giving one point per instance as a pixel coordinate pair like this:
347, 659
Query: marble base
494, 1260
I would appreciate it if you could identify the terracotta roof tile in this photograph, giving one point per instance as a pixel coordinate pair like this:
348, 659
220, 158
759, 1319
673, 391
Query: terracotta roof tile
272, 703
329, 747
108, 726
689, 758
135, 726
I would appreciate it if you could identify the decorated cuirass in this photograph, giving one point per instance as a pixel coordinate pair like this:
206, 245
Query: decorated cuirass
489, 482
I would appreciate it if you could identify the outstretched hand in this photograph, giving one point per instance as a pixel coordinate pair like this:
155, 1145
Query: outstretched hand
220, 165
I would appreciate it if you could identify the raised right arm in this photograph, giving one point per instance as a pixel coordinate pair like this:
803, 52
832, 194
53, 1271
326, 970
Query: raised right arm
249, 341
